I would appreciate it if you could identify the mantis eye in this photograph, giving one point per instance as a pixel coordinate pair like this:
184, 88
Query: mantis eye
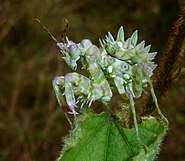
125, 66
73, 48
86, 43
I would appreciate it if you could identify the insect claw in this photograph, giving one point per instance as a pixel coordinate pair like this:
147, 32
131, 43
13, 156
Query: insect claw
90, 102
82, 104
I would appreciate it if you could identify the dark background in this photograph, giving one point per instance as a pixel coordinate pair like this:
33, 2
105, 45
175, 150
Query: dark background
31, 122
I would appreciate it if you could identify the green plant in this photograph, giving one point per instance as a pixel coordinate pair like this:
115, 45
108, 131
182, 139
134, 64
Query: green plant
100, 137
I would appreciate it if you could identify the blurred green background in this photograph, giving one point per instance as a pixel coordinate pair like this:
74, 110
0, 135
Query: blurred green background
31, 122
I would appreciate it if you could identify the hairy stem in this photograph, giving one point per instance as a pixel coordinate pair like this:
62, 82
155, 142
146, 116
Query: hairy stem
169, 63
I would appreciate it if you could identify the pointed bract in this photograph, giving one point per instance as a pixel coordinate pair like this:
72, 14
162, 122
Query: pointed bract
107, 39
101, 43
152, 55
104, 42
140, 46
110, 37
128, 44
134, 38
146, 49
120, 35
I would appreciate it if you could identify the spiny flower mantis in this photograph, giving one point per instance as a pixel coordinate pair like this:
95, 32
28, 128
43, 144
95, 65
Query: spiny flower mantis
120, 64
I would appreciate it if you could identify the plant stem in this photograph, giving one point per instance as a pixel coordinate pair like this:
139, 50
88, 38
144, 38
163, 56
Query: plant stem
169, 64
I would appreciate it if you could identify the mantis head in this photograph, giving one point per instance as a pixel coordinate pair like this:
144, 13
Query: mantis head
71, 52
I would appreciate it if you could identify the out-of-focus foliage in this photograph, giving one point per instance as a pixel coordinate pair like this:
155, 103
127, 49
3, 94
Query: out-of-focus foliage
31, 124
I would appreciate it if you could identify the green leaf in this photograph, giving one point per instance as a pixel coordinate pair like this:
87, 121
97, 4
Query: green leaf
100, 137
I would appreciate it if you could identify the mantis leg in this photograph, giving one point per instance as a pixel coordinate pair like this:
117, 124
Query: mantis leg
156, 102
87, 90
77, 85
132, 104
126, 91
58, 84
71, 85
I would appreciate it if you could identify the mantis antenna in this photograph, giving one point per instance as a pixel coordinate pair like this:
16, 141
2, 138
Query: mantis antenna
49, 33
65, 30
54, 39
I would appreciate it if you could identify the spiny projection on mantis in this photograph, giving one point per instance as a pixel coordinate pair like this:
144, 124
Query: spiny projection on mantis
124, 62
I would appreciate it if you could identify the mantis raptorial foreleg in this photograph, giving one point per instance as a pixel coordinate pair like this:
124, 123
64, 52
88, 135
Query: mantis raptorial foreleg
71, 85
58, 85
78, 85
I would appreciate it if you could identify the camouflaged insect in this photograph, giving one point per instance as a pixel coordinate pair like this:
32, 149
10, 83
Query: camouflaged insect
120, 64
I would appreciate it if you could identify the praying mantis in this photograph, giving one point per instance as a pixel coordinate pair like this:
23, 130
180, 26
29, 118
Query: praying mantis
118, 64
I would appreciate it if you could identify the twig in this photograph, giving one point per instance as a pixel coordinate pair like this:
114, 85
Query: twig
169, 63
